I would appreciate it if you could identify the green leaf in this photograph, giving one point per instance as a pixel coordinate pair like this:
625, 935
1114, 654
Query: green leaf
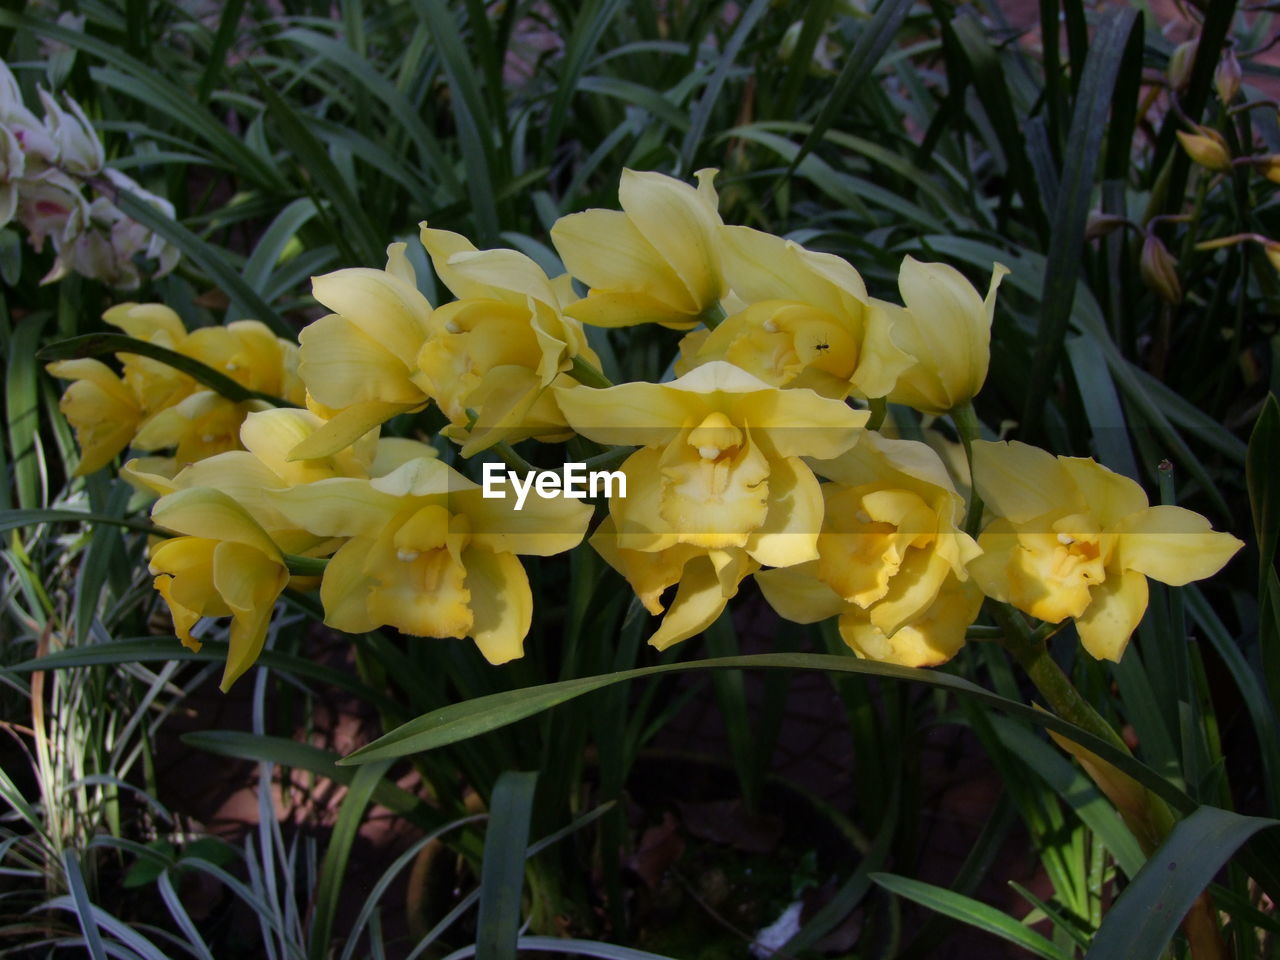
14, 519
228, 27
873, 41
460, 721
593, 18
271, 245
101, 344
972, 912
146, 649
747, 20
502, 870
351, 218
468, 110
1262, 468
22, 410
1145, 916
337, 853
83, 905
431, 152
1110, 46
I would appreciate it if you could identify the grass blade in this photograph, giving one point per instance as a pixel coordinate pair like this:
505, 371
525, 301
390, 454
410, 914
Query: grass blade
972, 912
1144, 917
461, 721
332, 873
502, 871
1111, 46
872, 43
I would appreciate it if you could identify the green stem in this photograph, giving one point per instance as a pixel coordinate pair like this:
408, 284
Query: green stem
712, 316
511, 458
966, 423
879, 407
588, 375
305, 566
1032, 654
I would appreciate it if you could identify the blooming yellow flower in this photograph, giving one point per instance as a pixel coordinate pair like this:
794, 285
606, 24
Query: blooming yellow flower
1073, 539
808, 321
946, 326
157, 385
658, 260
891, 557
248, 476
101, 409
358, 362
226, 565
496, 350
718, 488
429, 555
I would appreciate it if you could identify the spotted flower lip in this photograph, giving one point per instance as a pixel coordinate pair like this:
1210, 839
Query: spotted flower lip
1072, 539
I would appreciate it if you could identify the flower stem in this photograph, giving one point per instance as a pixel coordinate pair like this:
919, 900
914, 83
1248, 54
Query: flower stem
878, 407
713, 315
1032, 653
966, 423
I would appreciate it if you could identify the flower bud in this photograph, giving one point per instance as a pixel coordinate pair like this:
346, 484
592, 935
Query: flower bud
1180, 63
1226, 76
1100, 224
1207, 148
1269, 166
1160, 270
1273, 254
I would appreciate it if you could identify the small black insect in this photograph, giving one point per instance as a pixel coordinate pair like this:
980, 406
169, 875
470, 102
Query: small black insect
822, 346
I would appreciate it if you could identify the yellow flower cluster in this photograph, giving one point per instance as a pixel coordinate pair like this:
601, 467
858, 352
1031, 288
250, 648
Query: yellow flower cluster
151, 406
755, 460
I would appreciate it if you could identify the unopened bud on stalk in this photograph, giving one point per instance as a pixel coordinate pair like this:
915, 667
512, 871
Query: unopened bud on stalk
1207, 148
1180, 63
1226, 76
1273, 254
1100, 224
1160, 270
1269, 166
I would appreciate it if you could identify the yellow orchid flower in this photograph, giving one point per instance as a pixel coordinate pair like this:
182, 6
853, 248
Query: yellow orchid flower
891, 557
1073, 539
431, 556
226, 565
358, 362
249, 475
250, 354
808, 321
498, 347
201, 425
947, 327
658, 260
718, 488
157, 385
101, 408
